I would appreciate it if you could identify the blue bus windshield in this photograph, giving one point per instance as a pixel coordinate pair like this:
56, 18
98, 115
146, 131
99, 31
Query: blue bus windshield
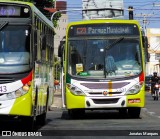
14, 49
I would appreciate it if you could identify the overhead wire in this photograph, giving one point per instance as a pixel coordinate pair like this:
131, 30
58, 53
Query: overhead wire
145, 6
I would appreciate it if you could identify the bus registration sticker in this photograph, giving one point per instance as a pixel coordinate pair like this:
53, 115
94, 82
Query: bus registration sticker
79, 68
3, 89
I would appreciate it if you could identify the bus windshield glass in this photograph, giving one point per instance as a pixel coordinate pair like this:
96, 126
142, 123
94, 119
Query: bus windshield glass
104, 56
14, 49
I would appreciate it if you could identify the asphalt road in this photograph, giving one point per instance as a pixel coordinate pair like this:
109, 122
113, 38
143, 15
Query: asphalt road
98, 124
105, 122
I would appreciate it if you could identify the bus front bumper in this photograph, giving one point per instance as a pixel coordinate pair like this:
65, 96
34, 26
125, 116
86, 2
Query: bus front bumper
104, 102
21, 106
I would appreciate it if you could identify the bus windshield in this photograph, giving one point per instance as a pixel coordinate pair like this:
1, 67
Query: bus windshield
14, 49
104, 57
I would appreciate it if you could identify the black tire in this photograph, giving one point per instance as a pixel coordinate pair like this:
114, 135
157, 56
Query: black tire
134, 112
157, 95
28, 123
76, 113
41, 119
123, 112
154, 97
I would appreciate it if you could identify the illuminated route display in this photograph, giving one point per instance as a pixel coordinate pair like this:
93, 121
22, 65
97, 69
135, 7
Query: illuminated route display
9, 11
14, 11
103, 29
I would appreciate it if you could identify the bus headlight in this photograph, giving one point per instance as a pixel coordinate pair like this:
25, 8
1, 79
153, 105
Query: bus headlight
75, 90
134, 89
18, 93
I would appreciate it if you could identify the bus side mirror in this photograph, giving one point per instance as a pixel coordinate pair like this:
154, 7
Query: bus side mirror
146, 45
60, 49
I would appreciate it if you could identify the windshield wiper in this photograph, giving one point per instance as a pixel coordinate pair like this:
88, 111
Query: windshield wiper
112, 64
3, 25
114, 43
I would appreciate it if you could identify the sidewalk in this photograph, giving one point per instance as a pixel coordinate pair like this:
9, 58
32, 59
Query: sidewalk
57, 101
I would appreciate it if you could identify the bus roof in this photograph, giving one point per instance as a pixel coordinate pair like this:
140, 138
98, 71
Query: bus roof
33, 7
97, 21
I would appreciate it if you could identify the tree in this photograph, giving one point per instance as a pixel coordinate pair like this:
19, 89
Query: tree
41, 4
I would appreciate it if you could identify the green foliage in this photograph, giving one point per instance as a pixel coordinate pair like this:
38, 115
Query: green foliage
40, 4
56, 18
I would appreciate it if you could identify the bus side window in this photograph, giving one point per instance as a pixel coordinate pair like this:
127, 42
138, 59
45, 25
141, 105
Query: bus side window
1, 44
38, 46
43, 47
35, 44
146, 45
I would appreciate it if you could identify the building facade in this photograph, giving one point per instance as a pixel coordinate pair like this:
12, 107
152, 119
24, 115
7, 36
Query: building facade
153, 35
60, 31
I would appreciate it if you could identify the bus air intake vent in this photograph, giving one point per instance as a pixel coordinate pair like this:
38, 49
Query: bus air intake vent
105, 101
100, 93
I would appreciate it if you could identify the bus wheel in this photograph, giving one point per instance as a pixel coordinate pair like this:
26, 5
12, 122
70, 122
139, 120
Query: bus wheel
28, 123
76, 113
134, 112
41, 119
123, 112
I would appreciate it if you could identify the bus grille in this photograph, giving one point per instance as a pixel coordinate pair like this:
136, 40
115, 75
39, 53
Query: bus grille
3, 81
105, 101
104, 85
100, 93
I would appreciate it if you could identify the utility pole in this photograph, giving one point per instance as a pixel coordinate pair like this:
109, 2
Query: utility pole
157, 5
144, 16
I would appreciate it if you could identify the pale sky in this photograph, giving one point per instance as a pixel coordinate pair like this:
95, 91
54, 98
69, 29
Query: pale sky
142, 9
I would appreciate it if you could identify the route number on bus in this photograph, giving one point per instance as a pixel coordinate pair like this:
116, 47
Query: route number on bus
3, 89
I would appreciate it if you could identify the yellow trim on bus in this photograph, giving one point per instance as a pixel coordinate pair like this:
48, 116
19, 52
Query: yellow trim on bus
140, 99
73, 102
22, 105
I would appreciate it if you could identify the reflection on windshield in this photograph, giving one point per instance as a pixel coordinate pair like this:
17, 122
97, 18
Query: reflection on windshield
14, 49
92, 58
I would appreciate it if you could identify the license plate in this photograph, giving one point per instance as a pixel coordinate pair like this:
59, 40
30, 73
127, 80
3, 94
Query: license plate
3, 89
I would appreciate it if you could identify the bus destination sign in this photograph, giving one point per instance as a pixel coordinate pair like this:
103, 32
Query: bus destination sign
13, 11
9, 11
116, 29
